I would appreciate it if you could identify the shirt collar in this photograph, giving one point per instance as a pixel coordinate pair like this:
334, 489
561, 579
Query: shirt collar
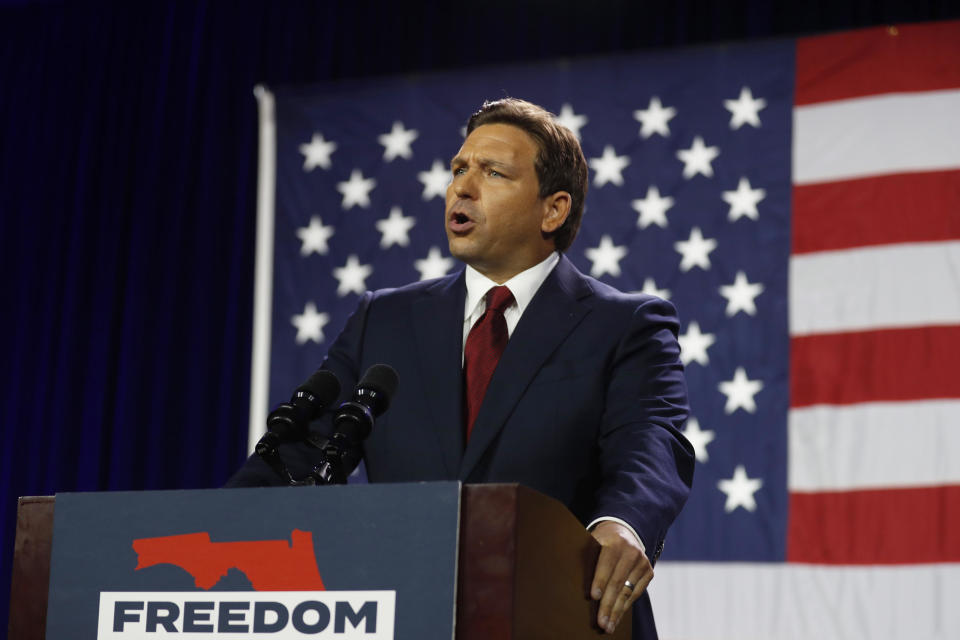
523, 286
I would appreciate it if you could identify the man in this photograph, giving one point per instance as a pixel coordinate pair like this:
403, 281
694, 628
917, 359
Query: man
585, 402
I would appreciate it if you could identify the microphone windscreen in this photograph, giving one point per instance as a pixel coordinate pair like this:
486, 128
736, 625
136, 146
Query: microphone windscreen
380, 377
377, 387
323, 384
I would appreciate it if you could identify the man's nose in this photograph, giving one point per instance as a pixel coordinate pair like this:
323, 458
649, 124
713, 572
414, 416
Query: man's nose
464, 184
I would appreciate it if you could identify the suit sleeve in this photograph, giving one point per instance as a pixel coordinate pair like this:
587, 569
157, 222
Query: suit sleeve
343, 359
646, 462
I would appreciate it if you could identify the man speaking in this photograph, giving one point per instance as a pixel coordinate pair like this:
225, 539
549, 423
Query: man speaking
521, 369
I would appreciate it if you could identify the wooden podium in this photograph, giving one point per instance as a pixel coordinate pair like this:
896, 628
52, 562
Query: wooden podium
525, 566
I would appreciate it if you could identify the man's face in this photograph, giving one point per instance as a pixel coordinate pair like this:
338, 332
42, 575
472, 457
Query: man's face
494, 215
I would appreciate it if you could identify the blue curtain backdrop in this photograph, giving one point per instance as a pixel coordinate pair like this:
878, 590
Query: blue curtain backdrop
128, 140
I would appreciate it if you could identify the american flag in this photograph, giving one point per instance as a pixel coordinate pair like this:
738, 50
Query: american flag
797, 200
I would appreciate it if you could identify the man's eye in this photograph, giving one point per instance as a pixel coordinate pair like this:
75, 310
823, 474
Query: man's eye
495, 173
459, 171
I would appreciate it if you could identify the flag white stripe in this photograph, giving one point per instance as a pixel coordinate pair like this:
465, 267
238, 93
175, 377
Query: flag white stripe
892, 133
263, 268
875, 288
874, 445
699, 601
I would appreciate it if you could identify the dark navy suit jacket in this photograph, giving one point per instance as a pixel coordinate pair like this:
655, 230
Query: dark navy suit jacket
586, 403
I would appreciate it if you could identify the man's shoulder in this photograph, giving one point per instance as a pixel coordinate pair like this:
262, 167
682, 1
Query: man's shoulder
413, 290
606, 296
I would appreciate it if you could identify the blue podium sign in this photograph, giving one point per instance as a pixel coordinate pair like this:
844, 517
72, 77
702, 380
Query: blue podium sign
363, 561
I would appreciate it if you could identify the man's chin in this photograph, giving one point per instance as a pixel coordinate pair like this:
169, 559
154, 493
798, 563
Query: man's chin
460, 248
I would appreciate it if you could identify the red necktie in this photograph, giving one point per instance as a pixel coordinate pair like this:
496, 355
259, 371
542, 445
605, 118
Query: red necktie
485, 345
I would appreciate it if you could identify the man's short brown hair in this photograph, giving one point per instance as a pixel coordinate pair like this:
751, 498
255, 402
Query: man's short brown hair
560, 164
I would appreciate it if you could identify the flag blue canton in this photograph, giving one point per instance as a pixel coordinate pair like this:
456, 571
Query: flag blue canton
689, 197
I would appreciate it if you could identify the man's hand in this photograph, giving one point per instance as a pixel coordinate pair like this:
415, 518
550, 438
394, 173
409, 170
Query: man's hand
621, 559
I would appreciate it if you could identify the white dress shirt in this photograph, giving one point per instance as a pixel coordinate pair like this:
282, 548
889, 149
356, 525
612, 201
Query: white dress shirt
523, 286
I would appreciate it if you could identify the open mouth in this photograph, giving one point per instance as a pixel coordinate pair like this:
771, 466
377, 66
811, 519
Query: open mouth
460, 222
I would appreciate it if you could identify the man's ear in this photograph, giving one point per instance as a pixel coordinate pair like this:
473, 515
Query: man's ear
556, 210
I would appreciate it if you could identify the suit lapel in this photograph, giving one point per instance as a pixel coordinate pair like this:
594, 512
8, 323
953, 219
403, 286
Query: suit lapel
553, 313
438, 327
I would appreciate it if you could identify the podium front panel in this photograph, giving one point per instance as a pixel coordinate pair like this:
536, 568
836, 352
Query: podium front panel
359, 561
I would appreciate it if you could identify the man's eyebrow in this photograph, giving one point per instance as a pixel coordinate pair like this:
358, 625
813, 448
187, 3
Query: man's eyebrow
483, 162
488, 162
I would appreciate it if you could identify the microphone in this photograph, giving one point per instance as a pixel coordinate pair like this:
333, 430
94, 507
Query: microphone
353, 422
289, 421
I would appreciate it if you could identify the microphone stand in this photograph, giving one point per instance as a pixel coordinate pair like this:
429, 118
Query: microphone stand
337, 454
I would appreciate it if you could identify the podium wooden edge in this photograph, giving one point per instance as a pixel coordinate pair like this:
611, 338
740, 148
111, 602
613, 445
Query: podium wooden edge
525, 568
570, 553
30, 578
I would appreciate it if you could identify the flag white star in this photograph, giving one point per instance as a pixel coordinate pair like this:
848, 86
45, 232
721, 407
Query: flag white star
606, 257
317, 152
652, 209
352, 276
740, 392
695, 251
395, 229
743, 201
650, 288
314, 237
609, 167
310, 324
570, 120
694, 345
740, 295
745, 109
435, 265
699, 439
740, 490
654, 119
356, 190
397, 142
434, 181
697, 158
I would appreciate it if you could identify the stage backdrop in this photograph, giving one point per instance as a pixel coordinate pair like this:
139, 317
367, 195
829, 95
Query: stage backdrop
798, 200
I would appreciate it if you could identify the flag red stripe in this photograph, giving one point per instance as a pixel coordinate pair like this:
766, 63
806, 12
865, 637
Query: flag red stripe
884, 365
912, 207
880, 526
909, 57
